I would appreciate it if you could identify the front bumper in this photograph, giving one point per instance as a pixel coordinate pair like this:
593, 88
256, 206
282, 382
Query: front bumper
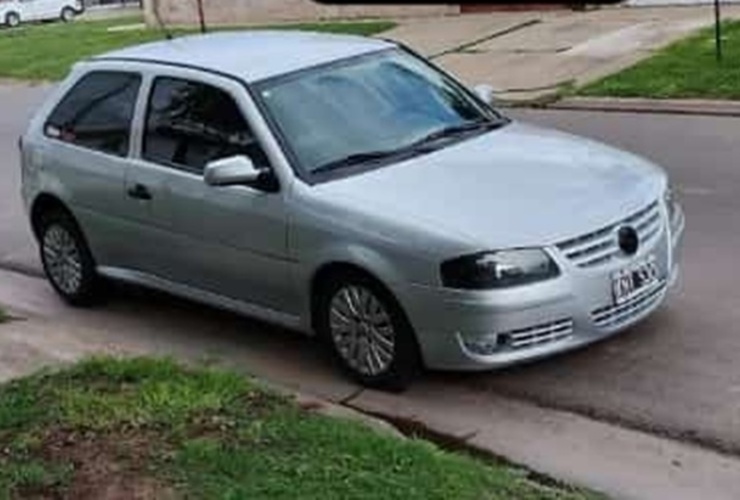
461, 330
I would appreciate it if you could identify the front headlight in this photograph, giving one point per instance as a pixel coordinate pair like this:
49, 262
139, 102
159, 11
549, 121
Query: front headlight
500, 269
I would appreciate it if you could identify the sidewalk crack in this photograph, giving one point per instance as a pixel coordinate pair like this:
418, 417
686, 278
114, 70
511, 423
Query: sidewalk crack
348, 400
478, 41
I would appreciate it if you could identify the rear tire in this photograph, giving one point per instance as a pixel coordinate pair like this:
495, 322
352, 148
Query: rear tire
68, 15
67, 260
367, 332
12, 20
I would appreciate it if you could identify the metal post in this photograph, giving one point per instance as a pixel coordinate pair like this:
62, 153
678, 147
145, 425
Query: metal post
718, 30
201, 17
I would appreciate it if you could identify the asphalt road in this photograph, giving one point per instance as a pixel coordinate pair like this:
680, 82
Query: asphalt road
16, 106
676, 374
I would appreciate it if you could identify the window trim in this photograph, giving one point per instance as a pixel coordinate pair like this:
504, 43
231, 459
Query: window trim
148, 109
132, 120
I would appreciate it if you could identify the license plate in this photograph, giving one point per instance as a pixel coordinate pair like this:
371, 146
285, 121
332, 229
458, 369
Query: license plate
631, 281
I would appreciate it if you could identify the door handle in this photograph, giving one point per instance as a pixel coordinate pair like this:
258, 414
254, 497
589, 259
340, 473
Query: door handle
139, 192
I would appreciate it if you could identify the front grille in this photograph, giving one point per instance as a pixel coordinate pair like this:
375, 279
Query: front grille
538, 335
614, 315
599, 247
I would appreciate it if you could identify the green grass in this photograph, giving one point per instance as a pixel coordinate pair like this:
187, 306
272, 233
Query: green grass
108, 428
686, 69
47, 51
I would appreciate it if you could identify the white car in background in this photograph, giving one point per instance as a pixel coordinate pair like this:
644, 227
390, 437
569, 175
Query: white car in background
15, 12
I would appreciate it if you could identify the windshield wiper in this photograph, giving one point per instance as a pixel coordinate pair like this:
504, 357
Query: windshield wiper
455, 130
371, 156
356, 159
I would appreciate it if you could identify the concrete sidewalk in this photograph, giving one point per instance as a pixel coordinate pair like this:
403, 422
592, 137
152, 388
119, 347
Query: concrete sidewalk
528, 55
621, 462
706, 107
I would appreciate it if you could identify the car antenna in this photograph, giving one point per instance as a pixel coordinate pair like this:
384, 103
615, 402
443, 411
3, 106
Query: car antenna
160, 23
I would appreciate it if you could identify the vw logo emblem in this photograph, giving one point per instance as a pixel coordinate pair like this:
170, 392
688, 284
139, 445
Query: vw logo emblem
628, 240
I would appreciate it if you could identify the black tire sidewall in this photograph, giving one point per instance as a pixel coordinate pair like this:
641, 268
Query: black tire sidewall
68, 15
406, 363
88, 291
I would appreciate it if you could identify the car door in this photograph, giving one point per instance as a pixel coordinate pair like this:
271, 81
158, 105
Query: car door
231, 241
29, 10
86, 158
49, 9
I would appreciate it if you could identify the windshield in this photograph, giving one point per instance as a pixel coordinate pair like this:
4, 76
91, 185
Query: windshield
368, 108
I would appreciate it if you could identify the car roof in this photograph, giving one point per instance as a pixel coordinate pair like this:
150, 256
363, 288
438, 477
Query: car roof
251, 55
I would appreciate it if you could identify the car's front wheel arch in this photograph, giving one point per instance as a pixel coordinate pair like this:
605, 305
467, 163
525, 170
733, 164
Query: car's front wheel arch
43, 205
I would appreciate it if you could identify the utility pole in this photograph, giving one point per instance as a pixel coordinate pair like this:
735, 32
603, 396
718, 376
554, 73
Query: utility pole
718, 31
201, 17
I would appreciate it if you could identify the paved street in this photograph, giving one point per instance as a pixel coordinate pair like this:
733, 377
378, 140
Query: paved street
678, 373
16, 105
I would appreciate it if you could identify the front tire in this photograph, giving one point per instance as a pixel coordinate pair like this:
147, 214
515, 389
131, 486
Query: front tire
12, 20
68, 15
368, 333
67, 260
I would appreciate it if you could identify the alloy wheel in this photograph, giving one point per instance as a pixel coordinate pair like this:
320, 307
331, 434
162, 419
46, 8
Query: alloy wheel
63, 259
362, 330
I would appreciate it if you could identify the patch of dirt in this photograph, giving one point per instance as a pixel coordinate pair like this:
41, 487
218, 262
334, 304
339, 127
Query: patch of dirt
119, 464
106, 466
219, 425
259, 403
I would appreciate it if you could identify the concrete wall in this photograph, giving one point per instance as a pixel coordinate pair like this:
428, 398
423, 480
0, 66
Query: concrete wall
260, 11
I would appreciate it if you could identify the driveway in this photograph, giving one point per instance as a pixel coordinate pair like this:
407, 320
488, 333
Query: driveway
676, 374
525, 55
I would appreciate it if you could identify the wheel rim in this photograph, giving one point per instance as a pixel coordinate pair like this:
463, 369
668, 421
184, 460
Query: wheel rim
13, 21
362, 330
62, 259
68, 15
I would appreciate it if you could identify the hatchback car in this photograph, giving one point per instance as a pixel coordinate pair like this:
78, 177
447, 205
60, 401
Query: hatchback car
15, 12
344, 186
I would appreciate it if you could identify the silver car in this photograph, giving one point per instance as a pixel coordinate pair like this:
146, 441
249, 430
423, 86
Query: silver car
344, 186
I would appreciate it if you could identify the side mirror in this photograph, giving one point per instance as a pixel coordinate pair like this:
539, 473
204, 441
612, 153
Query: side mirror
239, 170
484, 92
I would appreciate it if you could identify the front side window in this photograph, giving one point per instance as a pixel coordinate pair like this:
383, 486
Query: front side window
369, 107
190, 124
97, 112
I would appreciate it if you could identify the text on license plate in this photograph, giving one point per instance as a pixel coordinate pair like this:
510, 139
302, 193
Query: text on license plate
628, 282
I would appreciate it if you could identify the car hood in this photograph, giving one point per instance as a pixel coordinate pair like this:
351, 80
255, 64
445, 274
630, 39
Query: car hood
519, 185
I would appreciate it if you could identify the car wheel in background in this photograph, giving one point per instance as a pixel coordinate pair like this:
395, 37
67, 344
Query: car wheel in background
68, 14
12, 20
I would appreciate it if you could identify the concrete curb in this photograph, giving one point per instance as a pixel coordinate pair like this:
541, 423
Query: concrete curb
705, 107
544, 100
620, 462
327, 408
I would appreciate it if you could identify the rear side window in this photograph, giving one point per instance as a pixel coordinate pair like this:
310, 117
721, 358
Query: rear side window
190, 124
97, 112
